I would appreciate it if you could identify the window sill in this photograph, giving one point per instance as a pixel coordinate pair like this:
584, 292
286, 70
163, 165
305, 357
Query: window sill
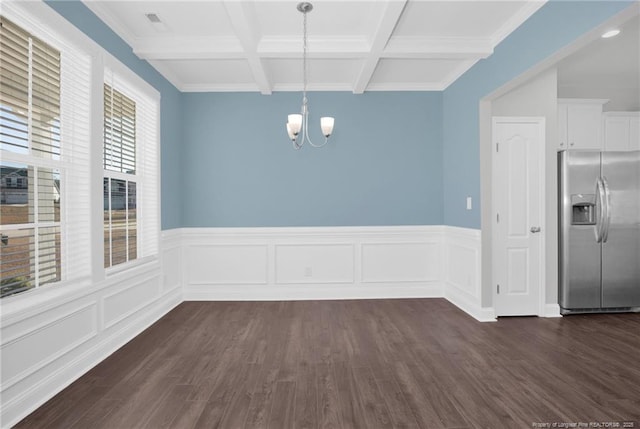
125, 267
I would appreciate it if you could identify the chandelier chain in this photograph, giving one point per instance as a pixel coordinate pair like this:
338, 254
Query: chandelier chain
304, 56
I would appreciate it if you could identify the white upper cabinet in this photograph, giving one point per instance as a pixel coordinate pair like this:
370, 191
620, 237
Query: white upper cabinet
621, 131
580, 123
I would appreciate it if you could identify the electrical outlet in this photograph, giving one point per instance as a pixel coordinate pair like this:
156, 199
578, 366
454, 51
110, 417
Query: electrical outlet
469, 205
308, 272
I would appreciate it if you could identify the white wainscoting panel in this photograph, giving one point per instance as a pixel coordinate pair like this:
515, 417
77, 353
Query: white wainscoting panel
171, 260
52, 340
462, 275
224, 264
400, 262
317, 263
124, 302
312, 263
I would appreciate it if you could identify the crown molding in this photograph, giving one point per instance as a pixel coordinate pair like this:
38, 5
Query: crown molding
516, 21
101, 11
226, 87
457, 72
167, 72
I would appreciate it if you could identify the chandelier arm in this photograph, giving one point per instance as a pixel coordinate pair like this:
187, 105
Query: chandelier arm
305, 129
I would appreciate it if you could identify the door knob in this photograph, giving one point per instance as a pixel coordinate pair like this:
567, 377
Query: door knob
535, 229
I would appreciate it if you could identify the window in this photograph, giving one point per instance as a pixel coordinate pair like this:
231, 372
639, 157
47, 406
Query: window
43, 148
119, 183
30, 131
130, 172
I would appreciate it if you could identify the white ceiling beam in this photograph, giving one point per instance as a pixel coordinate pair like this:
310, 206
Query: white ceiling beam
438, 47
318, 47
243, 26
185, 48
388, 20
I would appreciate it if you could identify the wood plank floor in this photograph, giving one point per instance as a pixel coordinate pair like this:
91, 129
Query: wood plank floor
413, 363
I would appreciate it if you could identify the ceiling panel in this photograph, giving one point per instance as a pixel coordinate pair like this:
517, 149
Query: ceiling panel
328, 18
408, 73
456, 18
186, 18
355, 45
322, 73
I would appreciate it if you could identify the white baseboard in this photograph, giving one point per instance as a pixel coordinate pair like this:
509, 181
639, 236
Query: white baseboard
469, 304
552, 310
310, 292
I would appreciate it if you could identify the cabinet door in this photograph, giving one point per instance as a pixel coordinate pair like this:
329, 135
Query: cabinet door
584, 126
634, 133
562, 126
616, 133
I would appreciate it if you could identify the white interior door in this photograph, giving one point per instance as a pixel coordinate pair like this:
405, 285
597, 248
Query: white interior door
518, 201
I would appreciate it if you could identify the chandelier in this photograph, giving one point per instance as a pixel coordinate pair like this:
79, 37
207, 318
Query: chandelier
298, 123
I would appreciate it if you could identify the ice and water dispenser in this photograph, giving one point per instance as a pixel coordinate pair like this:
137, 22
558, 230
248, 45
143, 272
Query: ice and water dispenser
583, 209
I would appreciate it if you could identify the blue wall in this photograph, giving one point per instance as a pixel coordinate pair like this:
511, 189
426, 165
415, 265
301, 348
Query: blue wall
554, 26
170, 107
395, 158
382, 166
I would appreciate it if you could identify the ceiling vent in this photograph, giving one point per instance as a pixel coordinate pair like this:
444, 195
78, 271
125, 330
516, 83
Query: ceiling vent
153, 18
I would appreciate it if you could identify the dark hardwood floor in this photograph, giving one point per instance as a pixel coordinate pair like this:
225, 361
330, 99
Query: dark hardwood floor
414, 363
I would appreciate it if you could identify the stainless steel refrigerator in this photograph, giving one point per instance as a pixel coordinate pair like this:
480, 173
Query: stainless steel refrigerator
599, 231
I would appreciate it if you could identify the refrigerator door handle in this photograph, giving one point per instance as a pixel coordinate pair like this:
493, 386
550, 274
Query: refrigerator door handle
600, 210
607, 211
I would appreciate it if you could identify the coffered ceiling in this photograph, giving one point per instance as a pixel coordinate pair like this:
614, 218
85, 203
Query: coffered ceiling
362, 45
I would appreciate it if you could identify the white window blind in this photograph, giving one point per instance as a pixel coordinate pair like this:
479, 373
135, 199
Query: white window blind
131, 179
44, 143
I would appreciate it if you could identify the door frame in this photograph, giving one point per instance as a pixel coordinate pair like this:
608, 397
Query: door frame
495, 244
